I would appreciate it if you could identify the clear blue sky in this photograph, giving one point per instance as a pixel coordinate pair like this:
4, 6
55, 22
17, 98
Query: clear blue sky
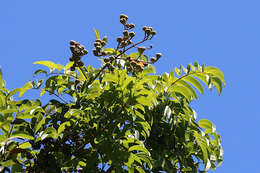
219, 33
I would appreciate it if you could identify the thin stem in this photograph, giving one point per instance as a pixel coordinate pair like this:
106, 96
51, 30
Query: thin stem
184, 77
103, 68
55, 95
83, 72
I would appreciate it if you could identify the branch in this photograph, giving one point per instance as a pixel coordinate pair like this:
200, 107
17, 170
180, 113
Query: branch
55, 95
124, 51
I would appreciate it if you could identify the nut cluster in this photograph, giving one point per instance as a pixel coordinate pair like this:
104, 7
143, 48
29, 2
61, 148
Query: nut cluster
108, 62
125, 40
99, 44
78, 51
135, 65
158, 56
149, 32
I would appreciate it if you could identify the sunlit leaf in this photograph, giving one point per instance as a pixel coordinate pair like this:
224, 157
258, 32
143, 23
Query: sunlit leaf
25, 88
97, 33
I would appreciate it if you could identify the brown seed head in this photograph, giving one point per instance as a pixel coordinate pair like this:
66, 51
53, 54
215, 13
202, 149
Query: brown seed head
158, 55
141, 49
119, 39
153, 60
72, 42
131, 34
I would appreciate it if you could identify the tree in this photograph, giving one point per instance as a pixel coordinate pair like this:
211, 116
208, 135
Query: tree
121, 117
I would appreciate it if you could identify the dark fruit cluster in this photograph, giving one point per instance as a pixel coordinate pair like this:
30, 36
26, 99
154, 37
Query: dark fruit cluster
108, 62
99, 44
77, 52
135, 65
149, 32
158, 56
125, 40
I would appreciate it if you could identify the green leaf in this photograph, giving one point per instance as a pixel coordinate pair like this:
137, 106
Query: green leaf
145, 101
217, 83
52, 66
39, 71
110, 51
194, 82
25, 88
39, 124
97, 33
17, 168
70, 64
216, 72
139, 148
206, 124
63, 126
1, 79
181, 90
10, 94
177, 71
110, 78
189, 88
148, 70
21, 134
25, 145
49, 132
203, 147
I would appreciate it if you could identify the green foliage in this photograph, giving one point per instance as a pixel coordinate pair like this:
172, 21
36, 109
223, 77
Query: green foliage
122, 117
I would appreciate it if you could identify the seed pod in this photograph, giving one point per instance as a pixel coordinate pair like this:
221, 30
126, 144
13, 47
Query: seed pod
106, 60
129, 42
123, 16
77, 44
141, 49
98, 48
119, 39
112, 58
105, 39
153, 60
72, 47
125, 38
144, 28
85, 51
150, 46
71, 59
98, 40
124, 44
81, 47
103, 43
158, 55
95, 52
132, 63
104, 53
125, 32
97, 44
76, 58
148, 31
153, 32
131, 26
72, 42
128, 58
80, 64
145, 64
123, 21
131, 34
72, 68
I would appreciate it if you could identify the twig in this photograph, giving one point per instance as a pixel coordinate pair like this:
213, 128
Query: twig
55, 95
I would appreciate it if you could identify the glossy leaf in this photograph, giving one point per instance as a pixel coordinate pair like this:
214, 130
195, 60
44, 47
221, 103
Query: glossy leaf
97, 33
25, 88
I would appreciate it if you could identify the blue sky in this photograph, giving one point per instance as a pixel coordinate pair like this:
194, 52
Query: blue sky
220, 33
